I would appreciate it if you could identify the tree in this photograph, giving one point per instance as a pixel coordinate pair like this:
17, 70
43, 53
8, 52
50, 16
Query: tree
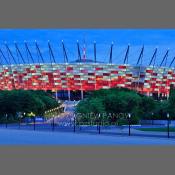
116, 101
15, 101
147, 107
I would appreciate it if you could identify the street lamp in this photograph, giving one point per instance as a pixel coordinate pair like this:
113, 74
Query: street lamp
6, 120
99, 124
168, 125
74, 122
152, 117
129, 119
34, 123
20, 116
53, 124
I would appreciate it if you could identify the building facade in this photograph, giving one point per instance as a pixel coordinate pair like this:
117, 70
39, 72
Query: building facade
87, 77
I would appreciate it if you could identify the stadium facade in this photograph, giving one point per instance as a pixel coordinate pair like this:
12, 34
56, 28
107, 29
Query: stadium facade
88, 75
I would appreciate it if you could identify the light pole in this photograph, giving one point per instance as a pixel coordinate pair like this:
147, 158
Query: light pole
152, 117
20, 117
6, 120
74, 122
129, 119
99, 124
34, 123
53, 124
168, 125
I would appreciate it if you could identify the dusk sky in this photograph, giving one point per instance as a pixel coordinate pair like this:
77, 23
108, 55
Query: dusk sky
163, 39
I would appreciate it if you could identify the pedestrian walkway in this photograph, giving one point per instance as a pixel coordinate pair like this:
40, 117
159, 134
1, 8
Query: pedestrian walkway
25, 137
68, 115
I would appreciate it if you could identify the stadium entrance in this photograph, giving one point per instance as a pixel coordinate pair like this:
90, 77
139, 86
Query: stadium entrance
71, 95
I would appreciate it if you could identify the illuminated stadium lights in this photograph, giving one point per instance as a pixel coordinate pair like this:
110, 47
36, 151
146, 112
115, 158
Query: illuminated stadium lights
71, 77
86, 75
53, 110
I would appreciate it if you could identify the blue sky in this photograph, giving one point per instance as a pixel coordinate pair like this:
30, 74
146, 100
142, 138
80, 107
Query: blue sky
163, 39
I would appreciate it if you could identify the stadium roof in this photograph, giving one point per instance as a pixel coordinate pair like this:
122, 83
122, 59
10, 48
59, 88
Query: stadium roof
25, 53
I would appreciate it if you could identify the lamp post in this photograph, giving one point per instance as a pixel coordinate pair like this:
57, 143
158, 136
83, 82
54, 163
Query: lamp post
34, 123
98, 121
129, 119
6, 120
168, 125
53, 124
74, 122
99, 124
20, 116
152, 117
19, 122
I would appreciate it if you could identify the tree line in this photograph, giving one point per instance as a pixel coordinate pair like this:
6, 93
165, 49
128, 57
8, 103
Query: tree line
25, 102
121, 100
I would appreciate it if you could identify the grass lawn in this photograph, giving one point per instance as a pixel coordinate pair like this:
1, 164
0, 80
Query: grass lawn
157, 129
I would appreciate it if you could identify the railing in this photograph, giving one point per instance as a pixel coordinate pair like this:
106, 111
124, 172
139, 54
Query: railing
152, 130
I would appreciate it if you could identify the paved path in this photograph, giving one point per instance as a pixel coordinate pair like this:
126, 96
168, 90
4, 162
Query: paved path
68, 115
24, 137
105, 130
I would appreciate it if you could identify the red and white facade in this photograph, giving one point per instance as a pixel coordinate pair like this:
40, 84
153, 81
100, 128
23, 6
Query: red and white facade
86, 77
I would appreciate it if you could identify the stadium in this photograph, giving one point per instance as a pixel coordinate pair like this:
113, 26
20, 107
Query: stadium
84, 74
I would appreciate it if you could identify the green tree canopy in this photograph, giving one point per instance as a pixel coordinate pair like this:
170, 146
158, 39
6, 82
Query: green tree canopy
117, 100
12, 102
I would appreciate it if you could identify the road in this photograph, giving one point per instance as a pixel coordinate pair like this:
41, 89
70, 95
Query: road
68, 115
64, 123
25, 137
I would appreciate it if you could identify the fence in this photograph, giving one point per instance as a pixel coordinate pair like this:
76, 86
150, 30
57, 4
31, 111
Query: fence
167, 129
